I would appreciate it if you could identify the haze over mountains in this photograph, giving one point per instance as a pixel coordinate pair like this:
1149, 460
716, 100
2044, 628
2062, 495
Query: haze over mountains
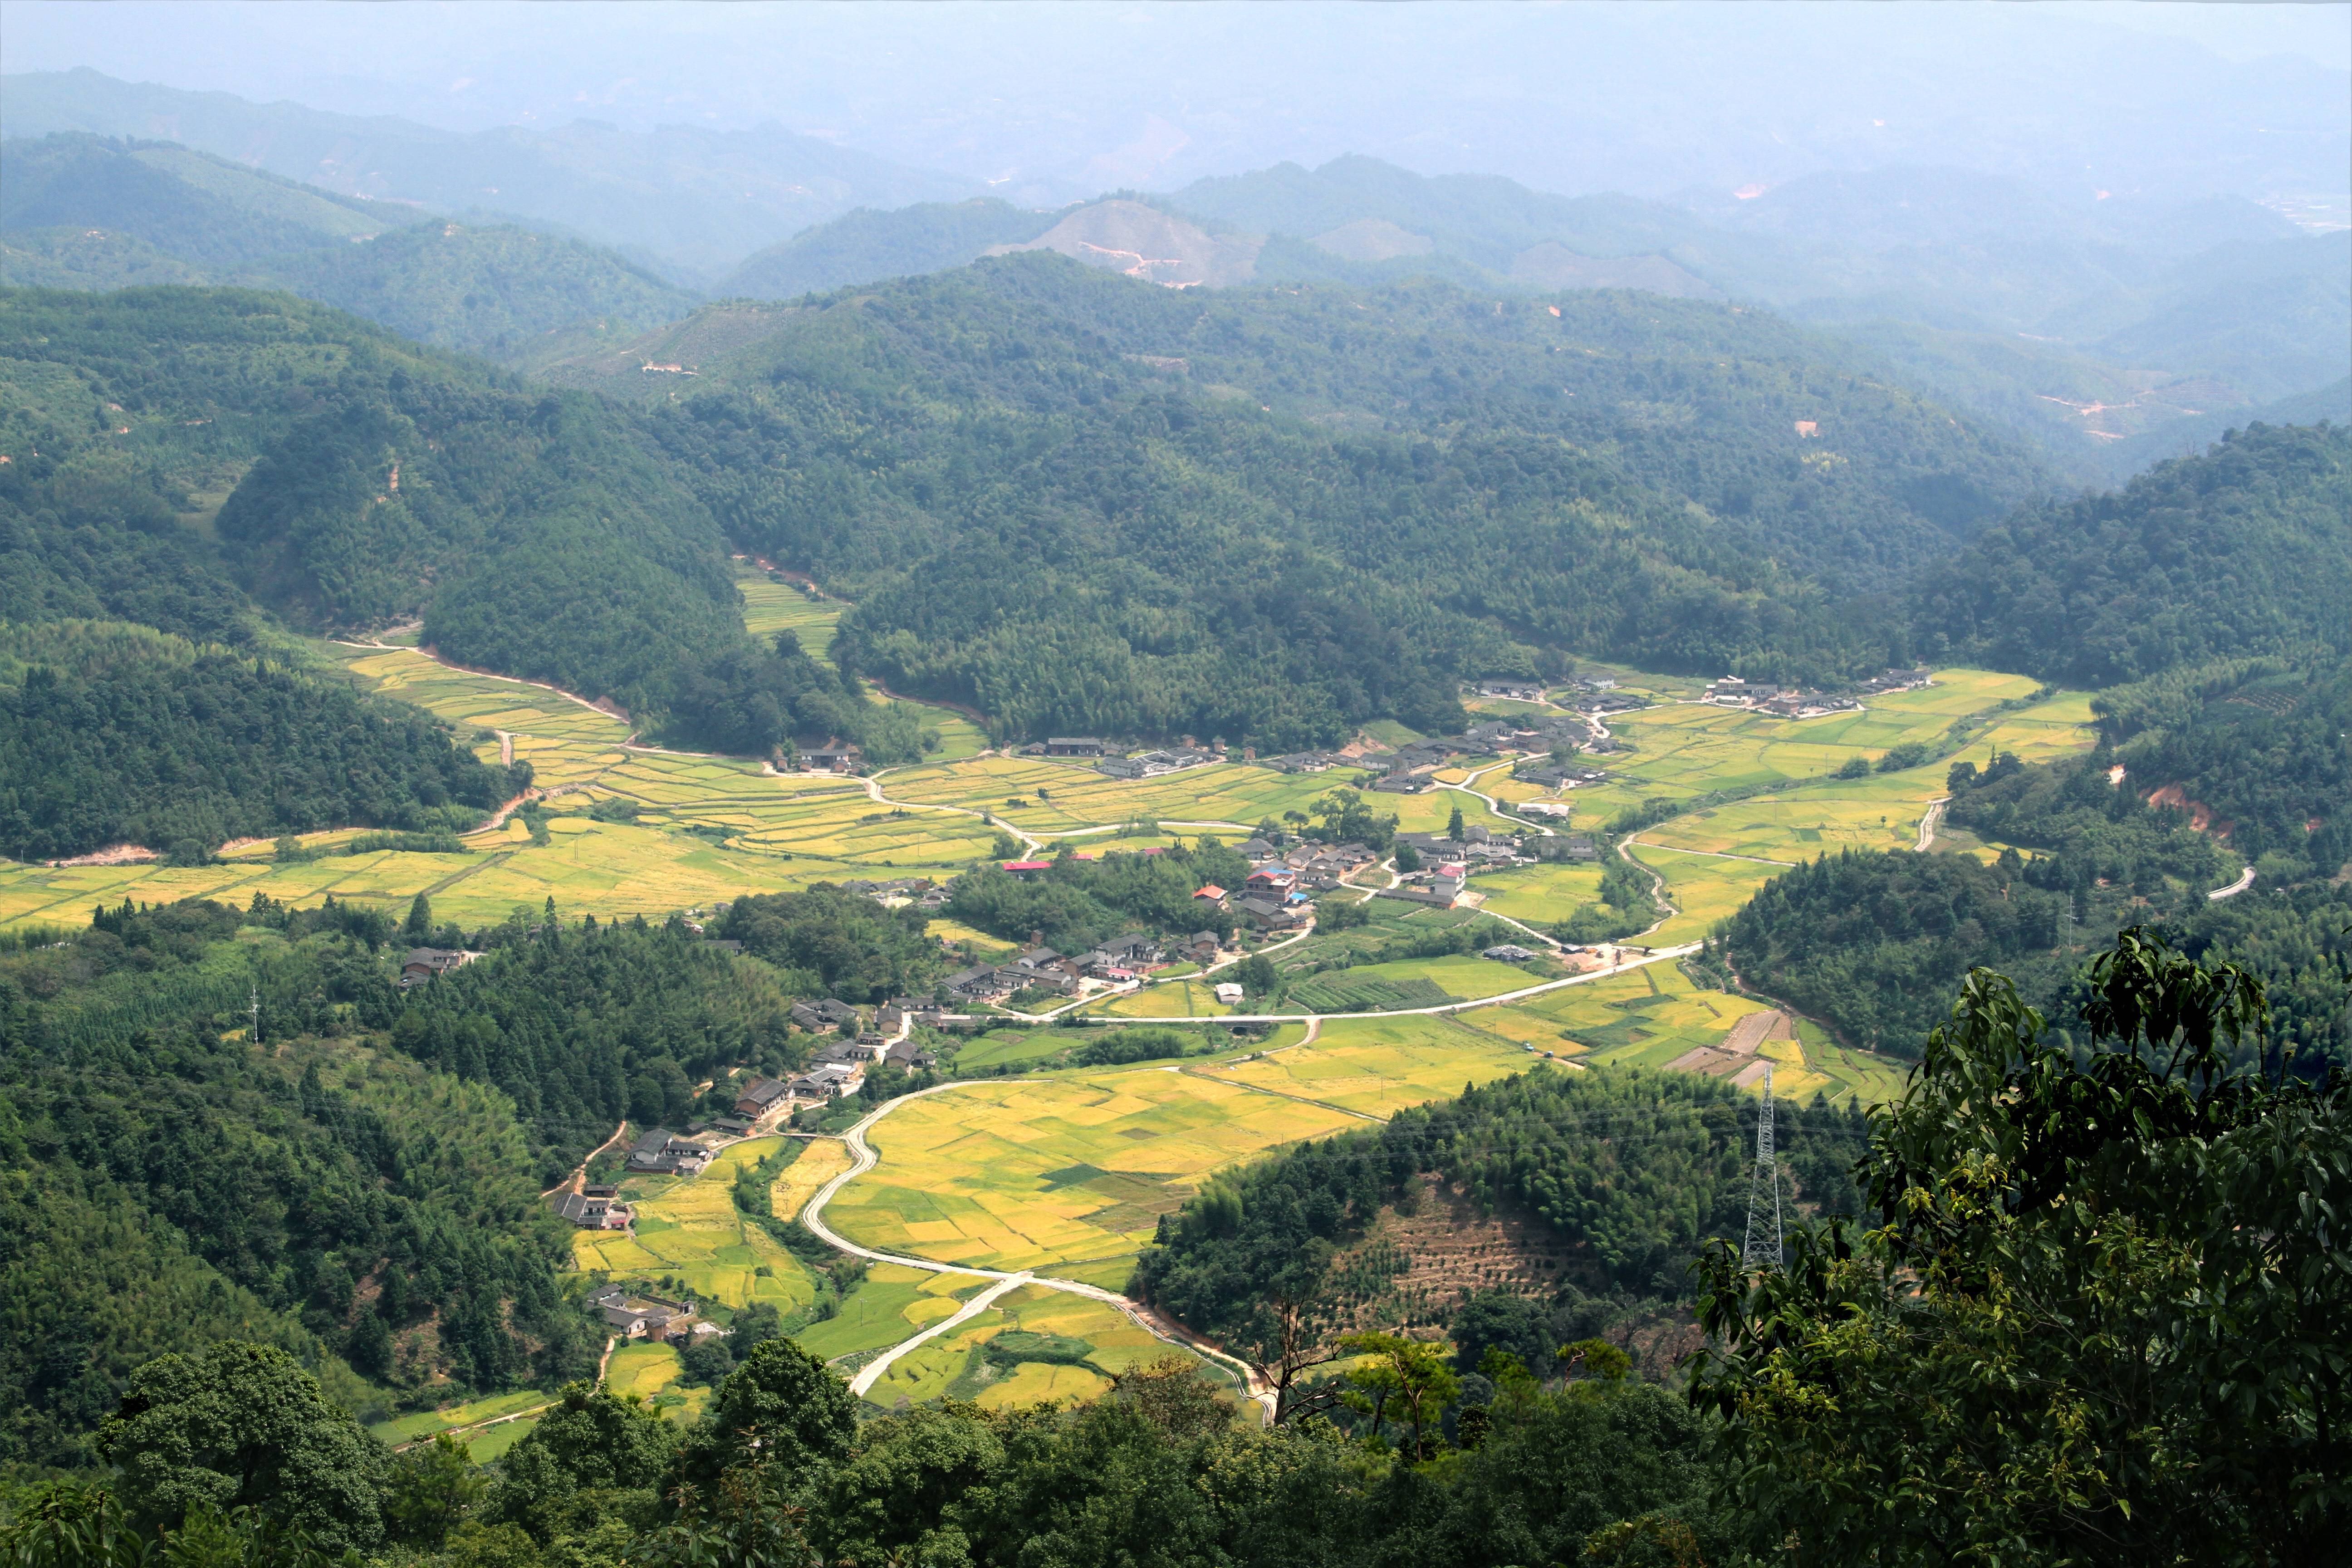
2108, 328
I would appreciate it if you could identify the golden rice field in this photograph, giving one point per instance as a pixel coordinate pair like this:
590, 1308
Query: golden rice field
1380, 1066
1068, 1173
690, 1231
770, 607
821, 1160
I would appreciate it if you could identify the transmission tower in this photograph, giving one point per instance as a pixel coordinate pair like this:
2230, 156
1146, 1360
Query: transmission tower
1763, 1248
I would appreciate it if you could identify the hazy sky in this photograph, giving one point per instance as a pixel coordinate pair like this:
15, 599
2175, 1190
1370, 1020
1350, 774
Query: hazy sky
1073, 97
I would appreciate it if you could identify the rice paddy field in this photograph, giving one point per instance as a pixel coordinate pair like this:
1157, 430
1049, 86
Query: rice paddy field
689, 1230
1068, 1173
1091, 1342
1380, 1066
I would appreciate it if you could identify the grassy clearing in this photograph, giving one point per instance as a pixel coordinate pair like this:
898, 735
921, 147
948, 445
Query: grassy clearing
691, 1232
770, 607
489, 1446
1069, 1173
425, 1423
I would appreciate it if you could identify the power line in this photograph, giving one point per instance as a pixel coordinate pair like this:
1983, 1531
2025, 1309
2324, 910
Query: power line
1760, 1251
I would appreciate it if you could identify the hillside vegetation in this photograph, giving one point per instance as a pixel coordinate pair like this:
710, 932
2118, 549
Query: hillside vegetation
2244, 550
1092, 505
82, 212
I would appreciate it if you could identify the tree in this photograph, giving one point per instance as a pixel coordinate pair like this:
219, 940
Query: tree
242, 1425
1408, 859
2102, 1322
593, 1441
782, 1405
1402, 1379
430, 1488
418, 927
1258, 975
1453, 828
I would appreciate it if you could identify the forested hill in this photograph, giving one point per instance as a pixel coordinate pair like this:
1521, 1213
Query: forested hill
2245, 549
87, 212
1082, 503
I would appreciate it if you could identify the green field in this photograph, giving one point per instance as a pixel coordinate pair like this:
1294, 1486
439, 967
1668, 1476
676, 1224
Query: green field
1380, 1066
957, 1366
895, 1304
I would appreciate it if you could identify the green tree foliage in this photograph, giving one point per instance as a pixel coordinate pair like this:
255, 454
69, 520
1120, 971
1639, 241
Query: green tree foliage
2241, 552
1079, 903
586, 1025
2264, 745
244, 1426
1630, 1170
215, 747
2102, 1322
783, 1403
592, 1442
846, 945
1093, 543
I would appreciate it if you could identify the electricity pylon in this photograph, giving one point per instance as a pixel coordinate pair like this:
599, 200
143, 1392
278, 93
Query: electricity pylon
1763, 1248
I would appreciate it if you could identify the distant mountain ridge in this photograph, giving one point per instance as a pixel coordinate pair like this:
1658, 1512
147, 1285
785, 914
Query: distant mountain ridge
694, 201
85, 212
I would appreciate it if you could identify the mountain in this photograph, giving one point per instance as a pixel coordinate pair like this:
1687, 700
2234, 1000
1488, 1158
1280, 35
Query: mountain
868, 244
86, 213
2082, 324
2244, 550
1082, 503
696, 200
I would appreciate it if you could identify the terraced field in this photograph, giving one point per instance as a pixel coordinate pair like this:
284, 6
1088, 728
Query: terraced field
1380, 1066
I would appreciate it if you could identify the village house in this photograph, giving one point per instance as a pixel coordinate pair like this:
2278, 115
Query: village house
827, 1080
594, 1207
1028, 869
1515, 690
662, 1152
981, 983
1401, 783
909, 1056
831, 759
1200, 947
1209, 893
761, 1097
1508, 952
823, 1013
429, 963
1074, 746
1228, 993
1267, 914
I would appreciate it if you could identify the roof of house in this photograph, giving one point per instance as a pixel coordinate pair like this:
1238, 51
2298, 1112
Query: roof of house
1028, 865
1209, 890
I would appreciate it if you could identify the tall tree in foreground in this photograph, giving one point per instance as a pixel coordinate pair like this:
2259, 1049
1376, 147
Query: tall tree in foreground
2104, 1321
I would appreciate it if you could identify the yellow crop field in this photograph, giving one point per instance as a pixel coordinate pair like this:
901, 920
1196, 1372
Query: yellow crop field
770, 607
641, 1369
1704, 888
1380, 1066
821, 1160
1069, 1173
1177, 999
690, 1230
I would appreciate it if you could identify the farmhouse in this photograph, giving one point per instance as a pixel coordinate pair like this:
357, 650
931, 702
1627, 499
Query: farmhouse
427, 962
909, 1056
593, 1208
981, 983
1200, 947
825, 1081
1508, 952
763, 1096
1515, 690
1074, 746
662, 1152
1209, 893
831, 759
1400, 783
1229, 995
823, 1013
1267, 914
1025, 869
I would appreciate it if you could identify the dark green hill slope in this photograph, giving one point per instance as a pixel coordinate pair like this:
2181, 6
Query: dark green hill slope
202, 209
2246, 550
1080, 502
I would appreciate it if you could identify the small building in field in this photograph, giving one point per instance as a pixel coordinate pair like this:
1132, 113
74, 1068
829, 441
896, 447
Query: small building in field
831, 759
1228, 993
